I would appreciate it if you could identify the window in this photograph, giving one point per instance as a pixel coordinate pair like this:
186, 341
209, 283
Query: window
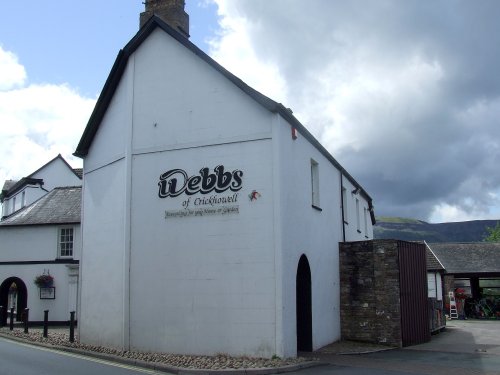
23, 199
14, 204
66, 242
315, 183
344, 204
358, 225
365, 220
431, 285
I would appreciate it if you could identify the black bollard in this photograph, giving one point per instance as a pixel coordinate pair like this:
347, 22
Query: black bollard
11, 318
72, 327
46, 323
1, 317
26, 319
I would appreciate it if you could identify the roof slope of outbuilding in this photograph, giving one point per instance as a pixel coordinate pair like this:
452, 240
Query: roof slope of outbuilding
468, 258
119, 67
433, 263
62, 205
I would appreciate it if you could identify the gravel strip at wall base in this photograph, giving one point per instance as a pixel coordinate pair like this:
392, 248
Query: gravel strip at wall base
177, 363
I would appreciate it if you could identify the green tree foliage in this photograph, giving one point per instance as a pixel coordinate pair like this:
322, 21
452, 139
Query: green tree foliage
493, 233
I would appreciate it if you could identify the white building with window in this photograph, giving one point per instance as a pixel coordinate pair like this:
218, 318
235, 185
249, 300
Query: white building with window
42, 236
211, 217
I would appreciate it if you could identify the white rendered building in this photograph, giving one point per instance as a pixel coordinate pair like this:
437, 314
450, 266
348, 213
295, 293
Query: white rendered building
211, 217
42, 236
17, 194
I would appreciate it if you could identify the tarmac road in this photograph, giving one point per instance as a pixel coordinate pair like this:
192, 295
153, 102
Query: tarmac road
466, 347
23, 359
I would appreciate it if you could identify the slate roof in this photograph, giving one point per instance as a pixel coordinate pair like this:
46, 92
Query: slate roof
473, 257
78, 172
119, 67
433, 263
60, 206
8, 184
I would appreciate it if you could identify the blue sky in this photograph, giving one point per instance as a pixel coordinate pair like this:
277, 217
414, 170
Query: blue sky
76, 42
404, 94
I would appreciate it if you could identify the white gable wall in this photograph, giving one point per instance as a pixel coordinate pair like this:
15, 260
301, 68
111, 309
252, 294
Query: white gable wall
180, 101
207, 283
210, 280
57, 174
203, 284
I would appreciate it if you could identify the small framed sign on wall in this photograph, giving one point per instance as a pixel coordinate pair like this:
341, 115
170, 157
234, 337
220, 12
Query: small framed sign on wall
48, 292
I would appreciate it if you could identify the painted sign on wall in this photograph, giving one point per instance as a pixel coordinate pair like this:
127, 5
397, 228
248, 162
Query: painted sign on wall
176, 182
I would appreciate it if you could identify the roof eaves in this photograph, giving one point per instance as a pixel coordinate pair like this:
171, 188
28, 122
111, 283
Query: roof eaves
20, 184
101, 105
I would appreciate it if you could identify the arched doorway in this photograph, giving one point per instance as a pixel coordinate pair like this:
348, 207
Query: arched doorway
304, 306
14, 288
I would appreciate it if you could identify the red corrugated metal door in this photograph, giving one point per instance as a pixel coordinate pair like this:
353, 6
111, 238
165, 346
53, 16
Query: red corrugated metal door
413, 289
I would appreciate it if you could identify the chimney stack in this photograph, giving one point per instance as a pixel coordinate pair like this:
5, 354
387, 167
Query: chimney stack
170, 11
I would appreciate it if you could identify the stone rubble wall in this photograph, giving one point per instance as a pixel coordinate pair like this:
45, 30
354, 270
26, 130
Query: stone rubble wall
370, 292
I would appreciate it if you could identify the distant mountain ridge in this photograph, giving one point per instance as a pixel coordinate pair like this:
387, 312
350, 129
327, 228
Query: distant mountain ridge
418, 230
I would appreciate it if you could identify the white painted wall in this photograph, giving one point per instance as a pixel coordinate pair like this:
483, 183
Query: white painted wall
203, 285
102, 269
306, 230
356, 215
39, 243
179, 264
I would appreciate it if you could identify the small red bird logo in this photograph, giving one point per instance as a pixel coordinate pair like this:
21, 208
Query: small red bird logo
254, 195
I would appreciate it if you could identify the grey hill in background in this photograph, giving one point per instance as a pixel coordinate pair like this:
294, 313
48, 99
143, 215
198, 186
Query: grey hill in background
418, 230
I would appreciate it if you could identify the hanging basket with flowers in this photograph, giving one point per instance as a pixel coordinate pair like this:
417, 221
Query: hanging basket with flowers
44, 281
460, 294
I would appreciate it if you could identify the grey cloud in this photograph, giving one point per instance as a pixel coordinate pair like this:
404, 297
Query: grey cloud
431, 142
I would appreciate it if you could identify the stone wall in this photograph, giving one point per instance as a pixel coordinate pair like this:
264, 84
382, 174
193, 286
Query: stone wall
370, 292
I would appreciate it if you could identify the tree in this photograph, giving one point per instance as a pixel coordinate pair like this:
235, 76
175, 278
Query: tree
493, 233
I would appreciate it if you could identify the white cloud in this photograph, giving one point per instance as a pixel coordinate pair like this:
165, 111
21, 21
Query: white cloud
12, 74
242, 61
38, 121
